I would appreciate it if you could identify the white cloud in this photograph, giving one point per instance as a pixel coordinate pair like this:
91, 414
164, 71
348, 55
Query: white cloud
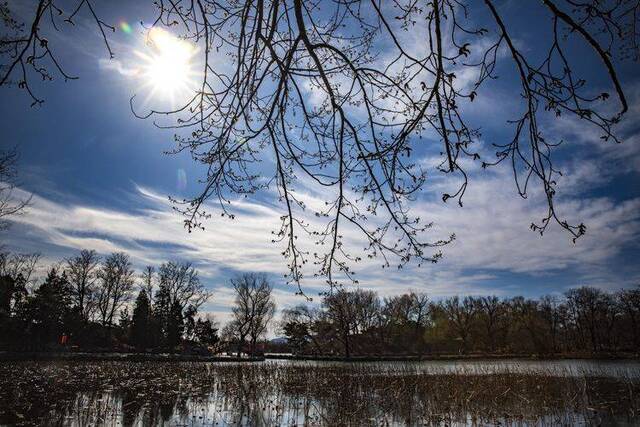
492, 238
118, 66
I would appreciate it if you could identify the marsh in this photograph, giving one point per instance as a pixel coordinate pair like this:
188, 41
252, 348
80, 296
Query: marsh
288, 393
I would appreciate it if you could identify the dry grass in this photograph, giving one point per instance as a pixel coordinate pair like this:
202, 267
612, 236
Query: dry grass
153, 393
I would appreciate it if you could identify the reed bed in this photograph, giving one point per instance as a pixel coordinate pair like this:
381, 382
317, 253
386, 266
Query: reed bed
270, 394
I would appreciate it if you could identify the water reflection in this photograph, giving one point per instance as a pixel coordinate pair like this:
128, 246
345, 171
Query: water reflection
566, 367
113, 409
286, 394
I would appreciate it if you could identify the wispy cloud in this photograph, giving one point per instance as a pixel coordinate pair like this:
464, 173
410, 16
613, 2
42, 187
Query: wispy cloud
118, 66
492, 239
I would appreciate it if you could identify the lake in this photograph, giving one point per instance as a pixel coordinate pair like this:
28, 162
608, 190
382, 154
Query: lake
564, 367
285, 393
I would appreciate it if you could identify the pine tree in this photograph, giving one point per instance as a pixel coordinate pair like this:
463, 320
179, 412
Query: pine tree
205, 332
175, 325
141, 321
49, 308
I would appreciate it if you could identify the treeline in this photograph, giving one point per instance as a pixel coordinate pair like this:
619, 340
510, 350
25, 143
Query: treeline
583, 320
89, 302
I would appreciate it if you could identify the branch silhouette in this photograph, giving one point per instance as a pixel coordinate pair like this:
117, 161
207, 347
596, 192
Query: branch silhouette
334, 94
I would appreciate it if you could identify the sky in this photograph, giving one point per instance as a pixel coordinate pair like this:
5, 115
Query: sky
100, 179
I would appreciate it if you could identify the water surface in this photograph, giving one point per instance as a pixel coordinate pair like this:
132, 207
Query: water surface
286, 393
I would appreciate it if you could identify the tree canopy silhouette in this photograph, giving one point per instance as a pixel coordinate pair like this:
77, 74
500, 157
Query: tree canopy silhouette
334, 94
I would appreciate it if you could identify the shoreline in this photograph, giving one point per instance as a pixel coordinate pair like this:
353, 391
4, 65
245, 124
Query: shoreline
457, 357
124, 357
168, 357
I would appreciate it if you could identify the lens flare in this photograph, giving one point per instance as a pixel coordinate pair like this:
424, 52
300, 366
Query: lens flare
167, 66
125, 27
182, 179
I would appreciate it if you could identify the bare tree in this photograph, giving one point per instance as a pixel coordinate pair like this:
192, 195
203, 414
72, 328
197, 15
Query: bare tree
366, 305
629, 301
16, 271
148, 277
334, 108
116, 286
491, 311
10, 203
461, 315
181, 283
551, 313
411, 308
593, 313
254, 308
14, 265
349, 110
265, 309
341, 313
25, 51
82, 272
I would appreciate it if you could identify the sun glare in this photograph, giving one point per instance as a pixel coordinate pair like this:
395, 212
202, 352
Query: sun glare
167, 66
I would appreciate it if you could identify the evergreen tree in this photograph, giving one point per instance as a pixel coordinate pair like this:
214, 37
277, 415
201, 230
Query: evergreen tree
124, 320
297, 334
13, 291
161, 310
141, 322
175, 325
205, 332
13, 294
49, 309
190, 322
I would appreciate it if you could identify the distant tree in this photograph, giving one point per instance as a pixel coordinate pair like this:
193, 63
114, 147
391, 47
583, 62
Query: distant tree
14, 265
340, 311
297, 334
629, 301
189, 320
405, 318
551, 313
13, 295
47, 311
16, 271
177, 299
589, 311
527, 328
141, 321
491, 312
367, 310
82, 272
124, 325
300, 325
115, 286
181, 284
149, 284
175, 325
461, 315
230, 336
12, 292
162, 313
407, 309
11, 204
254, 308
205, 332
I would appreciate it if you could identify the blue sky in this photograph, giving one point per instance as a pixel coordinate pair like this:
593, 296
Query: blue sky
100, 180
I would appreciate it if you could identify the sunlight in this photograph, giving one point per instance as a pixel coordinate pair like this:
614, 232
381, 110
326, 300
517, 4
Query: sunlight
168, 68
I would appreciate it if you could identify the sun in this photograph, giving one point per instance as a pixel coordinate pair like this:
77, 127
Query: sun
168, 64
